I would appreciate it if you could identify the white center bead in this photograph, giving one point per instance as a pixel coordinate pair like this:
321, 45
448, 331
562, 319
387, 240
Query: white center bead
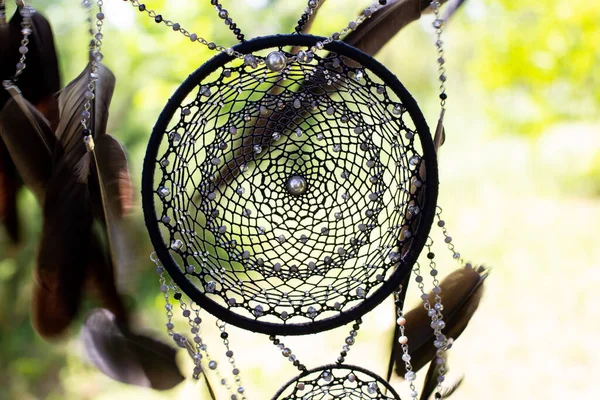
276, 61
296, 185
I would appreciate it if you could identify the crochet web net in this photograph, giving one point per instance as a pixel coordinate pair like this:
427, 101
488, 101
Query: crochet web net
222, 188
337, 382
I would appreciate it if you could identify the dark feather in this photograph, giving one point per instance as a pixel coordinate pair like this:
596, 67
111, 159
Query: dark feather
114, 198
40, 80
63, 252
64, 247
101, 280
29, 141
9, 187
127, 357
461, 293
430, 382
384, 24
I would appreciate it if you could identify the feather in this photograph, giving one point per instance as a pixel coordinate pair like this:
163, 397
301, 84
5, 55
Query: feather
461, 293
430, 382
440, 132
113, 174
101, 280
384, 24
40, 80
67, 220
448, 390
63, 253
114, 198
29, 141
127, 357
9, 186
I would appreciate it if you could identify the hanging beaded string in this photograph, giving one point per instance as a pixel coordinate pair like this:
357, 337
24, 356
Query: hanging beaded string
438, 24
26, 12
229, 354
410, 375
350, 340
287, 353
224, 15
95, 58
194, 322
248, 58
447, 238
308, 11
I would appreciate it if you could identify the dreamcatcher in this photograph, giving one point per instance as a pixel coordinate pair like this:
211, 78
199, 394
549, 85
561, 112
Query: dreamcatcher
289, 187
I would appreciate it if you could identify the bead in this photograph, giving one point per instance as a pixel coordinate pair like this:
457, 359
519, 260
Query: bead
223, 14
276, 61
212, 365
352, 25
176, 26
296, 185
250, 61
193, 37
402, 339
410, 376
383, 2
401, 321
142, 7
158, 19
212, 46
441, 223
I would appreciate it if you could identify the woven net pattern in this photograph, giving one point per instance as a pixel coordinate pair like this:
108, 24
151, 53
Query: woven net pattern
337, 382
291, 196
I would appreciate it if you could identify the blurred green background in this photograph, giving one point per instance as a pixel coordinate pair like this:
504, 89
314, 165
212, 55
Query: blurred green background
520, 188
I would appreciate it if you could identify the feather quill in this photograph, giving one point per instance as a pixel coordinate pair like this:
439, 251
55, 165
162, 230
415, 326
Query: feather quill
128, 357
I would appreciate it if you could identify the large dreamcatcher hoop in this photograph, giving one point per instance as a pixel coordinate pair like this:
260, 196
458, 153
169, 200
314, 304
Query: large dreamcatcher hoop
290, 196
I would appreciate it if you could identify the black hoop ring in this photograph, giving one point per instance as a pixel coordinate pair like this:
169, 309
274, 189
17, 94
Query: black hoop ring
419, 239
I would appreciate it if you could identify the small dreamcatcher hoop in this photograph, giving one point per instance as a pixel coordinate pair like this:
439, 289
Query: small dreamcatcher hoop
289, 196
337, 382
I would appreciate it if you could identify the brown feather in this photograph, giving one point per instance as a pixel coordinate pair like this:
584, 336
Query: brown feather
63, 252
461, 293
40, 79
430, 382
385, 23
113, 198
101, 281
64, 247
30, 142
127, 357
9, 187
113, 174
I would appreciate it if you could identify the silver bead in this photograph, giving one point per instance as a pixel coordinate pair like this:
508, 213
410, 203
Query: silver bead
296, 185
276, 61
250, 60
